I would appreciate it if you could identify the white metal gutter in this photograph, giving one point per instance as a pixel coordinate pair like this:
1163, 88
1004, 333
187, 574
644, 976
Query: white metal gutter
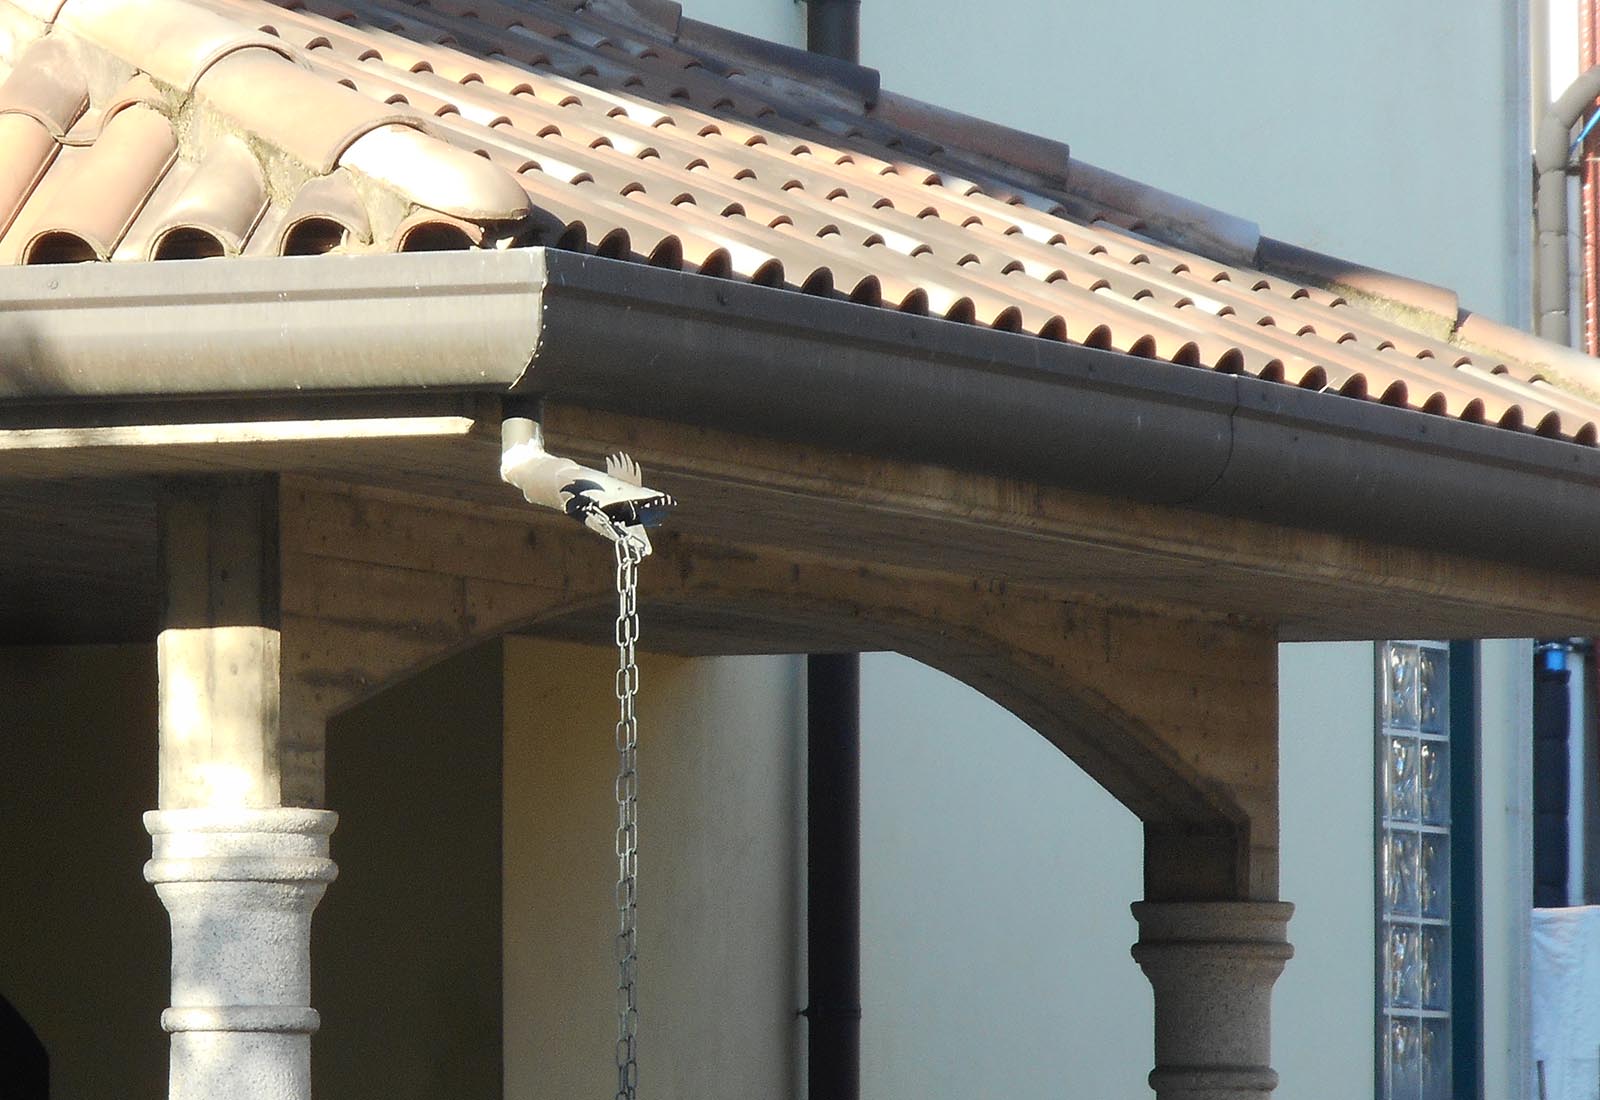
269, 326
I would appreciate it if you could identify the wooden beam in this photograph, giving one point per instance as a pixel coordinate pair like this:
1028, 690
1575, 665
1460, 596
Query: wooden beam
1174, 714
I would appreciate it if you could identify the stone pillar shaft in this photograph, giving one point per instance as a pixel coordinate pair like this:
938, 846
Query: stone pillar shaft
1213, 965
240, 886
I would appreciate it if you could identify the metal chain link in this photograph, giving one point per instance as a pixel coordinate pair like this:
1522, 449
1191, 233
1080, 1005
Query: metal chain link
627, 846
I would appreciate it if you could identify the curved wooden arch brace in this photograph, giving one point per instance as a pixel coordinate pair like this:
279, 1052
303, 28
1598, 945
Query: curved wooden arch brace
1175, 716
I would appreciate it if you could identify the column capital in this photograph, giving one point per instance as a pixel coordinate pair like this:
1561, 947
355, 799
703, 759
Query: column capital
1212, 965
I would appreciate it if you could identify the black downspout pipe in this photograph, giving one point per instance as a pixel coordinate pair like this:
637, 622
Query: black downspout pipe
833, 876
833, 779
833, 28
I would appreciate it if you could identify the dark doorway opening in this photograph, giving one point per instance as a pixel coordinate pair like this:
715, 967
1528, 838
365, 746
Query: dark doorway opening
26, 1061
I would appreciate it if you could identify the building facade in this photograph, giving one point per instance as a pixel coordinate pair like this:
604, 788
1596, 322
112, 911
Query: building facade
997, 877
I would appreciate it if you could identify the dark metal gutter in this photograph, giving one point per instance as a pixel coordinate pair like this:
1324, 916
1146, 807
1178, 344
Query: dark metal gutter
750, 359
638, 340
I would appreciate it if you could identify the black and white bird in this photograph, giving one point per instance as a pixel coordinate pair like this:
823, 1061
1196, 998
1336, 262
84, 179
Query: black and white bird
614, 503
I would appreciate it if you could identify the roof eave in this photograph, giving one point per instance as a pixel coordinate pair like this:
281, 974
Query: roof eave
666, 345
640, 341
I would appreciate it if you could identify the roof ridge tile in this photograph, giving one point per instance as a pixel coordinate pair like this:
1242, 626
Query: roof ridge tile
308, 117
174, 41
434, 173
46, 84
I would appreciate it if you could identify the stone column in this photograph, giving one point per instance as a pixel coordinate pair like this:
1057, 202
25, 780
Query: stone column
1213, 965
238, 871
239, 886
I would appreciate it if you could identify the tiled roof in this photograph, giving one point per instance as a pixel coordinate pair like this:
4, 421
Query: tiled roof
153, 129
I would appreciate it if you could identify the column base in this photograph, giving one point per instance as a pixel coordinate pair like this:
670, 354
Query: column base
240, 887
1213, 965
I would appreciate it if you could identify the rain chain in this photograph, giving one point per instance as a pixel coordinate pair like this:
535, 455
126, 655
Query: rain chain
616, 504
627, 790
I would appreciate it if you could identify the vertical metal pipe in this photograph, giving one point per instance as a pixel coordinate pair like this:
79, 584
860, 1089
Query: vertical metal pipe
833, 779
833, 27
1552, 152
833, 875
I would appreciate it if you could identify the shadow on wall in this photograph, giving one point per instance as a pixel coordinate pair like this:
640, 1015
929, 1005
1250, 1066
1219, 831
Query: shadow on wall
85, 960
27, 1065
405, 949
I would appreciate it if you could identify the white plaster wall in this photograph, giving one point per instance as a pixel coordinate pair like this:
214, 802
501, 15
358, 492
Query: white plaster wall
1322, 1012
774, 20
1505, 699
719, 881
996, 878
405, 947
1392, 134
1381, 132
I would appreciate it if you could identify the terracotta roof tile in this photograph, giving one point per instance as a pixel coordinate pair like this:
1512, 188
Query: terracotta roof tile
305, 115
202, 208
82, 214
615, 126
173, 41
327, 214
440, 177
46, 84
28, 151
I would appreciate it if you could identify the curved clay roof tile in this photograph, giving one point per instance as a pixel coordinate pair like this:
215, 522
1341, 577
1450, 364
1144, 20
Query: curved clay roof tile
172, 40
29, 150
325, 203
437, 175
89, 212
47, 84
45, 11
309, 117
221, 197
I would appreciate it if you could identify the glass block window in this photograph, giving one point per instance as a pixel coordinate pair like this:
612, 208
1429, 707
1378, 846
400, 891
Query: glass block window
1413, 889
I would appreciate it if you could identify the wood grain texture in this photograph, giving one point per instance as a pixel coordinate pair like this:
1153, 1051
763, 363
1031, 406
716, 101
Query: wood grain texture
1175, 715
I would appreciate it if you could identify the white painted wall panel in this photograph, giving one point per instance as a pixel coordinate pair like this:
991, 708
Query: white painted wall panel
996, 878
1322, 1012
719, 873
1505, 689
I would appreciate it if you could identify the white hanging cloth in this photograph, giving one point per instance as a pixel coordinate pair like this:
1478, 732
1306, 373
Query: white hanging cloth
1566, 1003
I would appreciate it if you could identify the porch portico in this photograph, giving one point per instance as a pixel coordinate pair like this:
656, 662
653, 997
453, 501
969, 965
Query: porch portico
275, 273
303, 571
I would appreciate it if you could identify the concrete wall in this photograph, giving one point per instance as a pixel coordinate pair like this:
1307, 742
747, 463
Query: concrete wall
996, 879
406, 945
1322, 1011
83, 939
720, 877
1505, 701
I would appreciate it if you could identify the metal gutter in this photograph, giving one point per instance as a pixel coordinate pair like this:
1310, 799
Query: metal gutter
278, 325
634, 339
662, 344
